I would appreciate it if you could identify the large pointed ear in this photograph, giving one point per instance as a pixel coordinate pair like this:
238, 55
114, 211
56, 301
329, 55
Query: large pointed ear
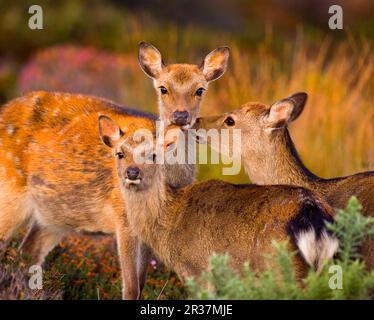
287, 110
150, 59
171, 136
109, 131
215, 63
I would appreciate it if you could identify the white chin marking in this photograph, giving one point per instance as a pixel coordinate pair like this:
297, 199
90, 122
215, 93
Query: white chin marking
186, 127
129, 182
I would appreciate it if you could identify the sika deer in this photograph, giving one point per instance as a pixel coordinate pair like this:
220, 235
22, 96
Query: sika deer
56, 172
270, 157
180, 89
185, 226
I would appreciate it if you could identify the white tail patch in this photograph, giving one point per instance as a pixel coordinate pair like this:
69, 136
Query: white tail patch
306, 242
328, 246
317, 252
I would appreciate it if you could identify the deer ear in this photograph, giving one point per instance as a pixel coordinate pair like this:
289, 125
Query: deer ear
287, 110
171, 136
299, 100
215, 63
150, 59
109, 131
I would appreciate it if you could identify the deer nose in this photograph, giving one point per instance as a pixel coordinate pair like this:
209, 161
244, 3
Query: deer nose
180, 118
132, 173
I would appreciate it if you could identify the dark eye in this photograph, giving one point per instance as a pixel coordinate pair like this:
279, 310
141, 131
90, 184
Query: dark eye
120, 155
163, 90
199, 92
229, 121
154, 157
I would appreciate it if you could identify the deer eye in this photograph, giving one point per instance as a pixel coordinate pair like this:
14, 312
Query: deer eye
229, 121
199, 92
120, 155
163, 90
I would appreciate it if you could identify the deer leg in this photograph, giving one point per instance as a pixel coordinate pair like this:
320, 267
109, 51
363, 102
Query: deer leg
145, 255
39, 241
129, 253
13, 214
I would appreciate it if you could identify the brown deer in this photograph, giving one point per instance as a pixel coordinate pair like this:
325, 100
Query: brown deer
55, 171
270, 157
180, 89
185, 226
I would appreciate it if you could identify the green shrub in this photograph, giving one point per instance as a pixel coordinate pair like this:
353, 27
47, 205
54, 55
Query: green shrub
221, 282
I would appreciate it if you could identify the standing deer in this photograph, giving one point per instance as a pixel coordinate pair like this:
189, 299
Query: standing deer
270, 157
185, 226
56, 173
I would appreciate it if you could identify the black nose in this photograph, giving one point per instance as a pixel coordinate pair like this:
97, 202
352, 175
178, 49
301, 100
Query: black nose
180, 118
132, 173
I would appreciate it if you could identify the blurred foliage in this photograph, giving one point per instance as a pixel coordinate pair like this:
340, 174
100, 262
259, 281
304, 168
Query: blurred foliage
118, 25
222, 282
77, 70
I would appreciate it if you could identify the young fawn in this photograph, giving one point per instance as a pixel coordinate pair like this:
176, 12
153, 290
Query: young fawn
185, 226
270, 157
180, 89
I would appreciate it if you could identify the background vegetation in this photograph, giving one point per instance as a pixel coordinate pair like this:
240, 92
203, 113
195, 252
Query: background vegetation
277, 47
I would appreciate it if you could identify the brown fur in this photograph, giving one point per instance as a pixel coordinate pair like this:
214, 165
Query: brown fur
185, 226
270, 157
181, 81
56, 172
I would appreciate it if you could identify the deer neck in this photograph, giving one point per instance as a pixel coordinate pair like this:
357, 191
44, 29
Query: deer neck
281, 165
148, 211
181, 174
